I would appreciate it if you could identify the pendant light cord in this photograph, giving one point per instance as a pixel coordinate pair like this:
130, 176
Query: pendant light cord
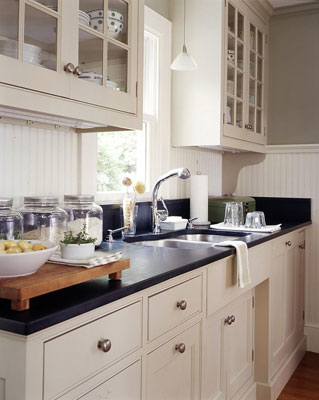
184, 22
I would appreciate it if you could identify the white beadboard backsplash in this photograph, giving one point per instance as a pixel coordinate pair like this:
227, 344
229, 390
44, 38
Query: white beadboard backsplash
207, 162
37, 161
292, 175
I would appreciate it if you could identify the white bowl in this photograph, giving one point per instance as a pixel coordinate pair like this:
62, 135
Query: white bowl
21, 264
97, 24
114, 25
97, 13
77, 251
116, 15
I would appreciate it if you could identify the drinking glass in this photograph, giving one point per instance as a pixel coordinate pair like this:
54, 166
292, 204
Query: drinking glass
234, 214
255, 220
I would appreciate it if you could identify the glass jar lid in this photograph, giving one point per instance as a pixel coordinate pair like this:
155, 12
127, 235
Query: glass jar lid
6, 202
79, 199
41, 201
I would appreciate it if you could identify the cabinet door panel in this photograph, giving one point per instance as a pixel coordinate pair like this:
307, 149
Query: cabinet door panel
277, 335
239, 345
214, 383
32, 58
174, 375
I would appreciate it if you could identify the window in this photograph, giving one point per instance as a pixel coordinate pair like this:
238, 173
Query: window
144, 155
123, 153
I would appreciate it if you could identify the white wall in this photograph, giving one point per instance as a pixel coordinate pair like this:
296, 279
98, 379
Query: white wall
37, 161
293, 175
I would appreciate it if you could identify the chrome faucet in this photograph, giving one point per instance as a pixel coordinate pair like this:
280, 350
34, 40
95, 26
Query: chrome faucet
158, 215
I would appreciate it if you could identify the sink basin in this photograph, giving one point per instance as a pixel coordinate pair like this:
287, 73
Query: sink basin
202, 237
187, 240
176, 244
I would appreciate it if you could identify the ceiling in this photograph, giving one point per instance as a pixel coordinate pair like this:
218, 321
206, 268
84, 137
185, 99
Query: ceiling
286, 3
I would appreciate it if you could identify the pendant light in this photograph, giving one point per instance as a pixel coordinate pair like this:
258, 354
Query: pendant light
184, 61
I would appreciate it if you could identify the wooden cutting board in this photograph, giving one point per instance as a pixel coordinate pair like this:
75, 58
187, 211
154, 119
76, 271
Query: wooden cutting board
52, 277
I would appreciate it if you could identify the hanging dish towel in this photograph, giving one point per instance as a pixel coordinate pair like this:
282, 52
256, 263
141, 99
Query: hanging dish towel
243, 274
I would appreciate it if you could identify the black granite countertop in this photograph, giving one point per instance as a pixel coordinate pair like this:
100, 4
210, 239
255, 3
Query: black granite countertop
149, 266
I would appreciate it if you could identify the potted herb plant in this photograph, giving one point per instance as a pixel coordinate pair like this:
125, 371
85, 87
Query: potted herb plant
77, 247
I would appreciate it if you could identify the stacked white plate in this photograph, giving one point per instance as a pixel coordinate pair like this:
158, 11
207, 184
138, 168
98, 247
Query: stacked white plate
97, 79
31, 53
84, 18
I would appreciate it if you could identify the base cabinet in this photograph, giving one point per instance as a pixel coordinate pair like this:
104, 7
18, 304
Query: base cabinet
228, 359
286, 298
173, 368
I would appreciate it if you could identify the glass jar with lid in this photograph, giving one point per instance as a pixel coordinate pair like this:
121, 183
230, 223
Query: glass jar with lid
82, 210
11, 221
43, 219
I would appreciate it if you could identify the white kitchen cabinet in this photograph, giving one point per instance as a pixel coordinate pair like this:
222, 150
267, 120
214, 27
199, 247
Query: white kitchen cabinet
53, 48
162, 351
225, 98
173, 368
228, 359
286, 298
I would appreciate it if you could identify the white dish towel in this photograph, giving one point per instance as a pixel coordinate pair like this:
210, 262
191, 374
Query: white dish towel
243, 273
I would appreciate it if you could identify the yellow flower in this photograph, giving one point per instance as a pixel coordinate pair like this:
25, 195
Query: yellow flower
139, 187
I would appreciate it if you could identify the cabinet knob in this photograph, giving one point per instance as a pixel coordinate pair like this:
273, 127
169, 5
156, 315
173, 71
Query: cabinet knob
181, 304
233, 319
180, 347
228, 320
249, 127
288, 243
301, 246
77, 71
69, 67
104, 345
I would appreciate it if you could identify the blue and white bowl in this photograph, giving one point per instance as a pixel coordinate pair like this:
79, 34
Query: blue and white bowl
99, 12
97, 23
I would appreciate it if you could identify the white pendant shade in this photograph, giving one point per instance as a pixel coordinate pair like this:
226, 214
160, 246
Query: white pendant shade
184, 61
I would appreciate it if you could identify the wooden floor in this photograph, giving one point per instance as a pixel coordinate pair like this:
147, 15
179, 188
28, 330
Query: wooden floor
304, 384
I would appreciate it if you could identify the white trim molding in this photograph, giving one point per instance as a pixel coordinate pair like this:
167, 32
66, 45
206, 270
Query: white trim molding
312, 333
292, 148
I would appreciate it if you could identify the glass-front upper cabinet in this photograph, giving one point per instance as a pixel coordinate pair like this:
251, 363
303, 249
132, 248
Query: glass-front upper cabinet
107, 53
85, 50
30, 45
245, 38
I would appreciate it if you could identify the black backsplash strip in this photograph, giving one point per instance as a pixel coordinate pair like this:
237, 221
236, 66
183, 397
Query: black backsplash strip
276, 209
112, 216
281, 209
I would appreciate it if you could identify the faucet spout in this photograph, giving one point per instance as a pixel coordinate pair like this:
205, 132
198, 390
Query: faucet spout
182, 173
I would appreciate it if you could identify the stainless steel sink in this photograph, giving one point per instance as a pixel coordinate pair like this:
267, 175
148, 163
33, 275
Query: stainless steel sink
176, 244
188, 241
204, 237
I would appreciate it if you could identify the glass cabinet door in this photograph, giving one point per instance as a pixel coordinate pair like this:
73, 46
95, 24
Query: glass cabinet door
256, 79
107, 54
244, 111
30, 34
236, 68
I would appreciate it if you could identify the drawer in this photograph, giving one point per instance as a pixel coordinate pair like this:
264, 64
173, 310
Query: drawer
169, 308
124, 385
75, 356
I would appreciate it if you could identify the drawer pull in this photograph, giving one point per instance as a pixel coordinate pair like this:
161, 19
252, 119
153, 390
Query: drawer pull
229, 320
288, 243
69, 67
77, 71
301, 246
104, 345
180, 347
182, 304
